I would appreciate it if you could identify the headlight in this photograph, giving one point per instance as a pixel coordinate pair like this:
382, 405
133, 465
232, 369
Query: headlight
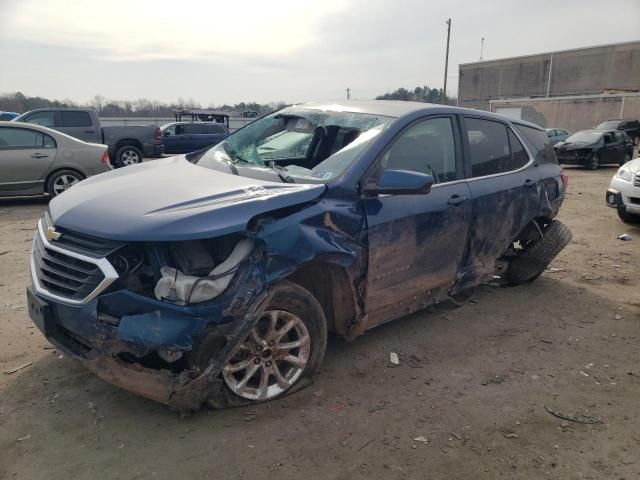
624, 173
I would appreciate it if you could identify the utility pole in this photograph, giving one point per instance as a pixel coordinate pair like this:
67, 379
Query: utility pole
348, 93
481, 49
446, 62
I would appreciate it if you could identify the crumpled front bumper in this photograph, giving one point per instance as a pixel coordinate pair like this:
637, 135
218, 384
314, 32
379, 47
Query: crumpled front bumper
115, 330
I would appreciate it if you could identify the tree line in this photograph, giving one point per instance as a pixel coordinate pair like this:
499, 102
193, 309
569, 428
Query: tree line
419, 94
18, 102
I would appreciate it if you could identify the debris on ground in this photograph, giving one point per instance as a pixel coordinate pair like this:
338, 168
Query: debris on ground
625, 237
511, 435
26, 437
4, 253
422, 438
578, 418
394, 359
497, 379
17, 369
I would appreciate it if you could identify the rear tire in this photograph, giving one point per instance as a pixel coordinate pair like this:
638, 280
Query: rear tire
128, 155
530, 264
62, 180
627, 217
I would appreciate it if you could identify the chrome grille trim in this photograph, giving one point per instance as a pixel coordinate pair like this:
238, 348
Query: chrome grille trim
110, 274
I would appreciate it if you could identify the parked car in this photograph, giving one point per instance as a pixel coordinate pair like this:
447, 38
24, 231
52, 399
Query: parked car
185, 137
624, 192
592, 148
127, 145
556, 135
36, 160
630, 127
217, 277
6, 116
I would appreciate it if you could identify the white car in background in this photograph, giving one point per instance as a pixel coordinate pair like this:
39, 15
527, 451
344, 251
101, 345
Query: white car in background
624, 192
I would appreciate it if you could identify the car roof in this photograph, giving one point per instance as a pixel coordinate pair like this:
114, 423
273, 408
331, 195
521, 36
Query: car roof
597, 130
399, 108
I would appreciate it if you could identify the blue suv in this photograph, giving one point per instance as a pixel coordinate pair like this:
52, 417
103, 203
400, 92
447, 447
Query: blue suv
214, 277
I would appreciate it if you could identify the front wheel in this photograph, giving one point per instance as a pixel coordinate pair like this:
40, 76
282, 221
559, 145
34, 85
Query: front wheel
627, 217
529, 264
285, 347
594, 162
128, 155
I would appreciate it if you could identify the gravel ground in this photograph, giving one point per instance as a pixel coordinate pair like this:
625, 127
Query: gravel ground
471, 398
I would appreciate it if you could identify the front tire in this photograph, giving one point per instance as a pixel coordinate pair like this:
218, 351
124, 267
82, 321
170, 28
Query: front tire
128, 155
285, 347
529, 265
594, 162
627, 217
62, 180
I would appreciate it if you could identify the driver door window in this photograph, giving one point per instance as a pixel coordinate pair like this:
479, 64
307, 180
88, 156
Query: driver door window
427, 146
46, 119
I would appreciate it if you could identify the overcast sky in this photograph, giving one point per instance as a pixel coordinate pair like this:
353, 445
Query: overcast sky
268, 50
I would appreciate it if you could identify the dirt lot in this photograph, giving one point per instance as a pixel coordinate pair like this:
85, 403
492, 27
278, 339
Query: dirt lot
469, 399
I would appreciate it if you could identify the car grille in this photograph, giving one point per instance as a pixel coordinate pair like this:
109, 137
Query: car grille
636, 180
64, 274
81, 243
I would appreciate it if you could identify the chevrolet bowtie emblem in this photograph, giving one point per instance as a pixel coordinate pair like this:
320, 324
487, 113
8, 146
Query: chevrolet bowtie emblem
52, 235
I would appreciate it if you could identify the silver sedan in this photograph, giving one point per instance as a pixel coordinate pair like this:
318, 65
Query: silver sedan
36, 160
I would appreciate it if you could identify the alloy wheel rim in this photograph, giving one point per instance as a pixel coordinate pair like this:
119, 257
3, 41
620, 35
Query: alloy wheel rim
271, 359
130, 157
64, 182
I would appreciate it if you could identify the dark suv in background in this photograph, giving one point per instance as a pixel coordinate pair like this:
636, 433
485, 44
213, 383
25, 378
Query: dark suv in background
630, 127
185, 137
219, 274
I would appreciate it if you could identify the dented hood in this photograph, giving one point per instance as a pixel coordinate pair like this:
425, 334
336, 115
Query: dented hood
171, 199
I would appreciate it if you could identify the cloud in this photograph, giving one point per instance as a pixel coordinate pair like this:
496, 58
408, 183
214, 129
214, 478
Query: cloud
146, 30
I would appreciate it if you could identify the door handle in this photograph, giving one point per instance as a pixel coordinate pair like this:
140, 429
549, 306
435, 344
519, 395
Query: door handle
457, 200
530, 183
39, 155
89, 131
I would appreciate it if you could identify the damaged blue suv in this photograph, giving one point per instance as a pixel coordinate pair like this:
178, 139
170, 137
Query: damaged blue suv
215, 277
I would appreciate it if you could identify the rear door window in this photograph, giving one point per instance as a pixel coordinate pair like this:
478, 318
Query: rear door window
192, 129
488, 146
214, 129
75, 119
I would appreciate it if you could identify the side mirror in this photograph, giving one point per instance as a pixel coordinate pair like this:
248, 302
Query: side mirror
399, 182
166, 134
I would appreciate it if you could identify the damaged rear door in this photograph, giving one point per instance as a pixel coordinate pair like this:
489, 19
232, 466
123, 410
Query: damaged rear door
417, 242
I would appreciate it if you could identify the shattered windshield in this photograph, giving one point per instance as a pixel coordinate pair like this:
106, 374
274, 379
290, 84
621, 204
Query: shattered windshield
300, 143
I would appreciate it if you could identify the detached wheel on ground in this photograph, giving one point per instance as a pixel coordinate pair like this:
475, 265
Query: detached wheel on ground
594, 162
62, 180
285, 347
128, 155
627, 217
529, 264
